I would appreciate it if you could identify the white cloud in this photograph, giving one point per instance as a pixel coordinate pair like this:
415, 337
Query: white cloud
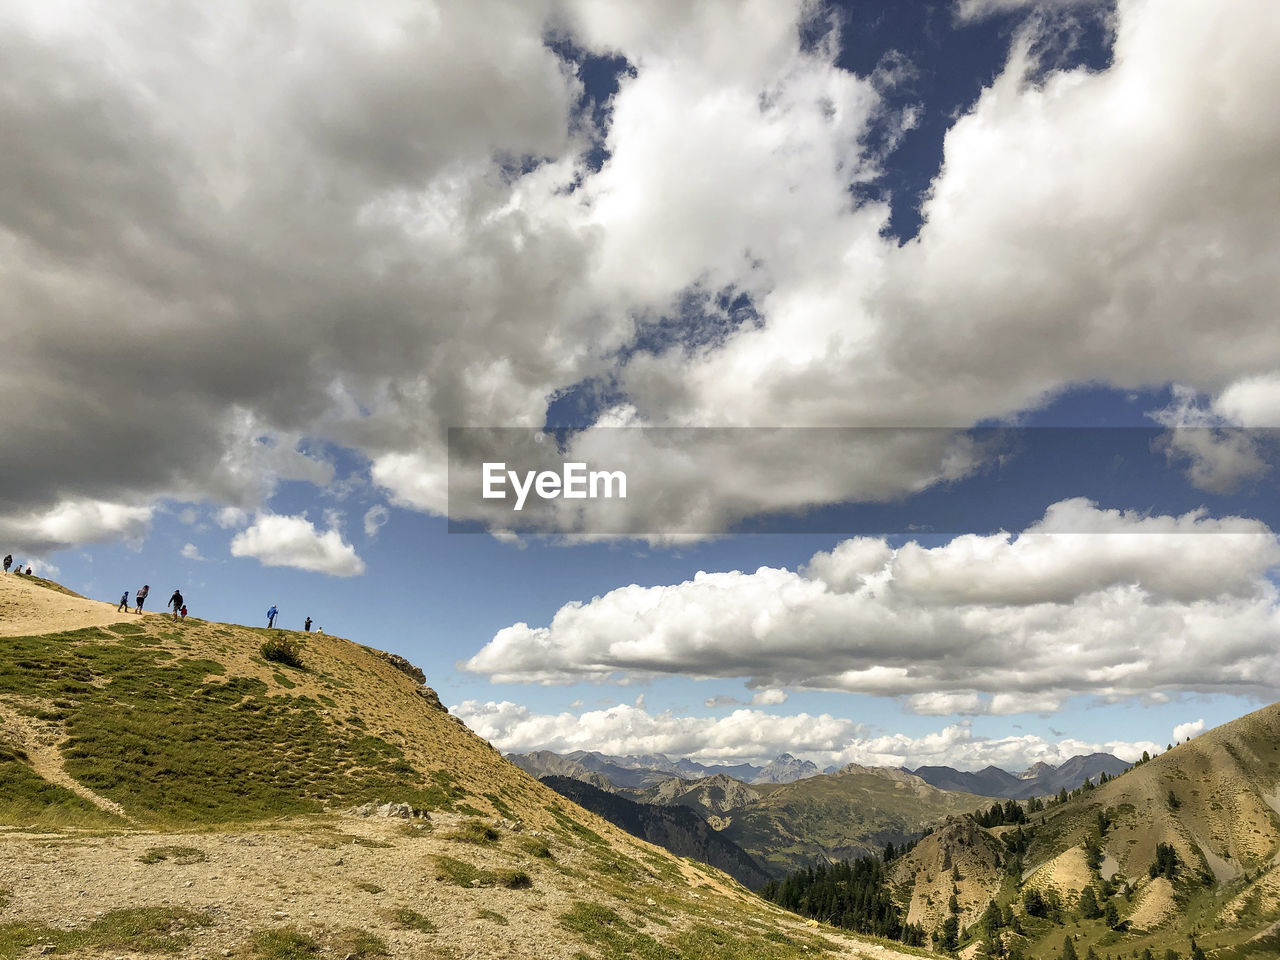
293, 541
1192, 728
1251, 402
191, 552
754, 736
1218, 455
375, 518
41, 568
1112, 226
967, 10
769, 697
230, 517
1133, 605
75, 522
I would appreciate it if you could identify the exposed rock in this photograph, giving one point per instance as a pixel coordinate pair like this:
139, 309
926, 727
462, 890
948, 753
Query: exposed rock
401, 664
432, 698
399, 811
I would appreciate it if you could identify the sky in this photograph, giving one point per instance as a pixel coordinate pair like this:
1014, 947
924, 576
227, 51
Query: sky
936, 340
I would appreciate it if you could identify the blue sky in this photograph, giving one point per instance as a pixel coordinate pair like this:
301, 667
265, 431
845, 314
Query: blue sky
246, 307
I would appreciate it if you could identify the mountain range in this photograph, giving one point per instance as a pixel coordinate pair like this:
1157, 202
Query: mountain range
1040, 780
641, 771
647, 770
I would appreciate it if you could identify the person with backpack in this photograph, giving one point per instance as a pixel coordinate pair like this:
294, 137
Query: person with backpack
306, 625
124, 602
176, 602
140, 597
8, 562
184, 611
272, 613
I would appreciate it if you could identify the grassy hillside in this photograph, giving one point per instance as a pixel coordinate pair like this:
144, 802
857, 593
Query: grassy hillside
840, 816
165, 790
1184, 845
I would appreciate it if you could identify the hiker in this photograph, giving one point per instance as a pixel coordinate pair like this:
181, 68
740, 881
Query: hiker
124, 602
8, 562
28, 571
140, 597
306, 625
176, 602
271, 615
184, 611
19, 570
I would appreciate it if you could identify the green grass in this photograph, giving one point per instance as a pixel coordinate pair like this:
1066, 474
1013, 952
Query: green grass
149, 731
28, 799
361, 944
483, 914
463, 874
474, 831
368, 887
412, 920
611, 936
535, 847
284, 943
148, 930
180, 855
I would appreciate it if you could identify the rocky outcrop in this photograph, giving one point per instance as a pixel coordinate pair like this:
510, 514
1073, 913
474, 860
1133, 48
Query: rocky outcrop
678, 829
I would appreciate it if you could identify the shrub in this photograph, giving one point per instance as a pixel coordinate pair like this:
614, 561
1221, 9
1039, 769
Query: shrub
282, 650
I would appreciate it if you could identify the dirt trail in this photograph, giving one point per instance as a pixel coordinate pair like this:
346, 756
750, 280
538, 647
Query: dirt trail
27, 608
39, 740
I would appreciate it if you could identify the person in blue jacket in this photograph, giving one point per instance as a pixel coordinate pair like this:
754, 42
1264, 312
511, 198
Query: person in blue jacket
272, 613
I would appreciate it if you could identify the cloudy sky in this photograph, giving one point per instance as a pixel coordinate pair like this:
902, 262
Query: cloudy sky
978, 296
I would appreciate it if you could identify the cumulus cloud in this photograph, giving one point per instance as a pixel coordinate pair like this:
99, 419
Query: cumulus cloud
293, 541
1251, 402
1218, 455
73, 522
754, 736
191, 552
1132, 605
1192, 728
769, 697
394, 229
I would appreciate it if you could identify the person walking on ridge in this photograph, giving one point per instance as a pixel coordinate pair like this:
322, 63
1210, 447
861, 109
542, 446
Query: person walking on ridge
307, 625
272, 613
176, 602
124, 602
140, 597
184, 611
8, 562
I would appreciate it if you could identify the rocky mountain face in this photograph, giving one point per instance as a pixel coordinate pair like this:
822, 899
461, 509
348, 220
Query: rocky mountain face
1184, 846
840, 816
713, 796
786, 769
677, 828
1040, 780
631, 772
544, 763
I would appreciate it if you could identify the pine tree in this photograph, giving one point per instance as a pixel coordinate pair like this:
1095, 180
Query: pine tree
1089, 908
1111, 916
1069, 949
